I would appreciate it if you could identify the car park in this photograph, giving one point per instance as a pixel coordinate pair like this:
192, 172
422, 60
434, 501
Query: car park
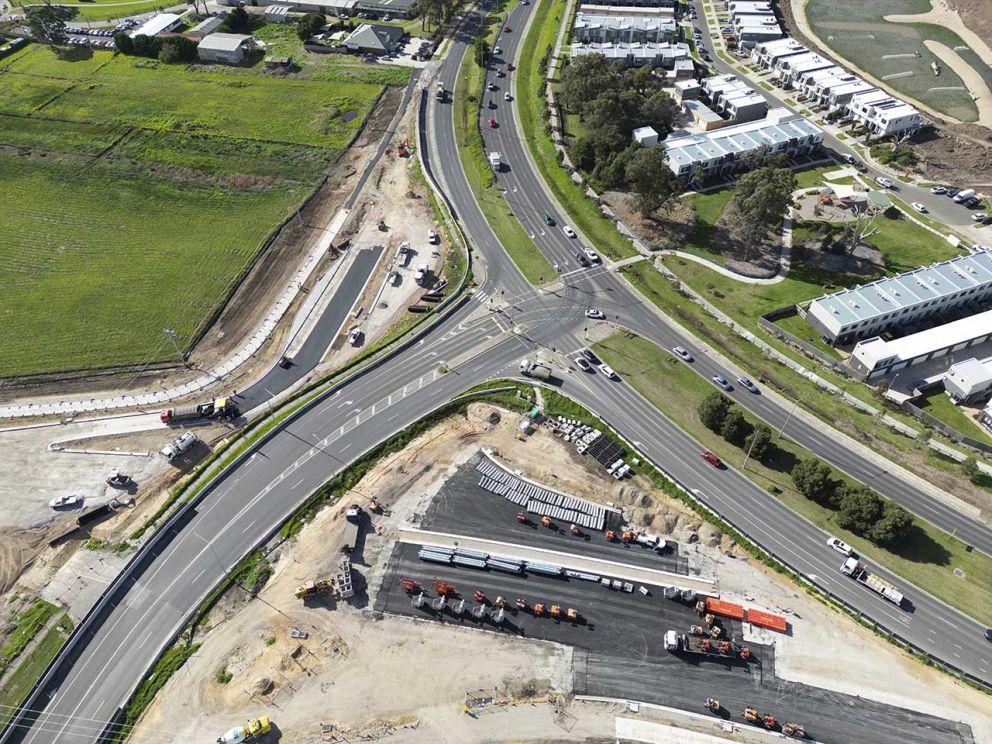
884, 182
589, 354
711, 458
608, 371
840, 546
919, 207
721, 382
684, 355
747, 384
592, 255
938, 190
582, 363
595, 314
569, 232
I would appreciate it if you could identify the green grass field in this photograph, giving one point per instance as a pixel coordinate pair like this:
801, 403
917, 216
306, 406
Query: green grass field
30, 668
167, 181
939, 405
104, 10
927, 558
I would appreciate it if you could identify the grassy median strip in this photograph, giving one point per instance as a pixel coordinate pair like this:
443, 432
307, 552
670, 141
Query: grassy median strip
17, 686
508, 230
582, 211
928, 558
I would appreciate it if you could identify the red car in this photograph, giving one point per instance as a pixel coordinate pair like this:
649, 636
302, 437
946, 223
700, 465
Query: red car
711, 458
492, 123
506, 29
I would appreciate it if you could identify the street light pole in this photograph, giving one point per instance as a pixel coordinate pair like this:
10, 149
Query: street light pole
787, 419
174, 338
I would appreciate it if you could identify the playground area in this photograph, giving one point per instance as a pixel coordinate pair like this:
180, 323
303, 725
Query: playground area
925, 59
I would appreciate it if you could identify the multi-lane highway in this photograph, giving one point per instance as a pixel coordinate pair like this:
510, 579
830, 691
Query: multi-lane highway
246, 503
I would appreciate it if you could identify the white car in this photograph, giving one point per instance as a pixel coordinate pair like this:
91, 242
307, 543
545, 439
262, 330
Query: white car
432, 237
682, 353
919, 207
355, 336
491, 85
592, 255
62, 502
569, 232
978, 216
848, 158
595, 314
938, 190
721, 382
497, 50
583, 364
507, 96
884, 182
840, 546
608, 371
747, 384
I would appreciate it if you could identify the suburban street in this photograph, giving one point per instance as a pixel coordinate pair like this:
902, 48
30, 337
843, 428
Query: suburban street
246, 503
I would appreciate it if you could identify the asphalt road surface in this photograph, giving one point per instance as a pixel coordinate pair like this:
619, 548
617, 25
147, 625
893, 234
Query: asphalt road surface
620, 655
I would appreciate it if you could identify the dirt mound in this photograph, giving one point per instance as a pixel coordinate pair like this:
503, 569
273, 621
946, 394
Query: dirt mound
18, 549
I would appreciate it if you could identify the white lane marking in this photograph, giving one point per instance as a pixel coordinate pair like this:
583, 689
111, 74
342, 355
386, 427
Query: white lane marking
248, 527
295, 485
346, 446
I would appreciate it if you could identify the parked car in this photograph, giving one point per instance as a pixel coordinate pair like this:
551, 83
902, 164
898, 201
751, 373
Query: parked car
432, 237
582, 363
747, 384
884, 182
919, 207
711, 458
608, 371
65, 502
972, 203
938, 190
721, 382
988, 634
951, 192
840, 546
684, 355
569, 232
595, 314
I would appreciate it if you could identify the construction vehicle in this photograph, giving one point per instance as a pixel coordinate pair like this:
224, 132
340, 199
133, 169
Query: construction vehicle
859, 572
522, 605
479, 596
538, 610
178, 446
769, 722
531, 368
574, 529
252, 729
352, 526
712, 704
444, 589
546, 522
794, 729
312, 588
218, 408
692, 644
410, 586
555, 611
750, 715
523, 518
438, 603
439, 92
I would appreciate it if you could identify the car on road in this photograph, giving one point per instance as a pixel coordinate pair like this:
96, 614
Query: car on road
840, 546
595, 314
492, 123
608, 371
988, 634
747, 384
65, 501
684, 355
355, 336
711, 458
500, 73
548, 219
919, 207
938, 190
978, 216
589, 354
497, 50
721, 382
885, 183
507, 96
848, 158
584, 262
582, 363
592, 255
507, 29
432, 237
285, 362
569, 232
491, 85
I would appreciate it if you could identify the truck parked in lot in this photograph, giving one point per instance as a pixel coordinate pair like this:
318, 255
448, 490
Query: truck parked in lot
352, 525
535, 369
251, 730
421, 275
859, 572
178, 446
218, 408
690, 644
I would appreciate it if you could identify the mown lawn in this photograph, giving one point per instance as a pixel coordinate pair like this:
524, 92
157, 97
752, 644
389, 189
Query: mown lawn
139, 193
939, 405
927, 559
103, 10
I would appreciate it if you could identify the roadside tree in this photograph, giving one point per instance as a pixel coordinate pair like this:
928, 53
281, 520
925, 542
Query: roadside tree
860, 509
813, 480
734, 427
759, 442
713, 409
47, 22
894, 525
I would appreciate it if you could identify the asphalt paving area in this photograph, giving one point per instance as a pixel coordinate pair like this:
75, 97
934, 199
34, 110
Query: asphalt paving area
619, 654
463, 507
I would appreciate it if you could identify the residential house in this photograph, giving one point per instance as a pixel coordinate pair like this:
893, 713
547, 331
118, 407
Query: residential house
225, 49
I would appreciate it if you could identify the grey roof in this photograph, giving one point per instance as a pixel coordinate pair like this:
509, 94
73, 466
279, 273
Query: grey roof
374, 36
907, 290
223, 42
623, 50
625, 23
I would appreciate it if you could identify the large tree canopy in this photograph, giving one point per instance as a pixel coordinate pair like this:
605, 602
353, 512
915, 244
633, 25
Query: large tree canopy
47, 22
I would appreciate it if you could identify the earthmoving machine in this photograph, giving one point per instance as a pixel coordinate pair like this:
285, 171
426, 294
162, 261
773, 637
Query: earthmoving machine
438, 603
751, 715
546, 522
794, 729
312, 588
522, 605
252, 729
712, 704
410, 586
444, 589
523, 518
479, 596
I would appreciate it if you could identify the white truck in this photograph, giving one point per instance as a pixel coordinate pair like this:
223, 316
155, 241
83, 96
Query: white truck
860, 573
963, 196
495, 162
439, 92
253, 729
536, 369
178, 446
421, 274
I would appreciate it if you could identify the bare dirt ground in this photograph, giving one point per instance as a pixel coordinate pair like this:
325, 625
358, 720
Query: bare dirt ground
365, 675
955, 153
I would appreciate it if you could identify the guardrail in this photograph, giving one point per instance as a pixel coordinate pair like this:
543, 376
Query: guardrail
27, 712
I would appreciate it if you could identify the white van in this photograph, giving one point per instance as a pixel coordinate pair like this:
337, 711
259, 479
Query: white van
963, 195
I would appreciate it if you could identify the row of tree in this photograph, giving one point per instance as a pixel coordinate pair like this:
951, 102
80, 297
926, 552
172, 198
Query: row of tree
170, 49
720, 415
859, 509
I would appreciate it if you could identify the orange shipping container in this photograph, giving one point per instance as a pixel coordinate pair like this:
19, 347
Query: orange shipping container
766, 620
727, 609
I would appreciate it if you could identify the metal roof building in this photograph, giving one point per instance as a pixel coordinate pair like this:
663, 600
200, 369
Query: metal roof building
160, 24
614, 28
866, 311
656, 55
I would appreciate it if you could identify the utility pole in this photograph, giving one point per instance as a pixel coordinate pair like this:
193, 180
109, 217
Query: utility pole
174, 338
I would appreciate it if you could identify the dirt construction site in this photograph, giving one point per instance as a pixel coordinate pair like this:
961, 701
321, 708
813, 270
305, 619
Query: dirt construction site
373, 666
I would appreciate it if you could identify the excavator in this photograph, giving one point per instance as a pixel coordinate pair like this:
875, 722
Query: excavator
794, 729
546, 522
750, 715
312, 588
523, 518
444, 589
410, 586
712, 704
